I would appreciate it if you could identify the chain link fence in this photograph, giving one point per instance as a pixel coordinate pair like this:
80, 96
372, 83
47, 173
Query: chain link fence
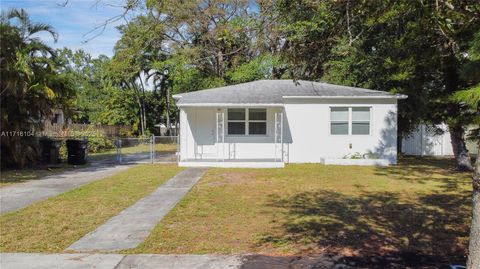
107, 150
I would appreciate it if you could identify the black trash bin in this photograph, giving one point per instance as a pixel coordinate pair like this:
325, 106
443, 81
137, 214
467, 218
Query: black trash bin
77, 151
50, 151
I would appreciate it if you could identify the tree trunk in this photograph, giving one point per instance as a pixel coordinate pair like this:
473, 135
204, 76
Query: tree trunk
167, 116
460, 149
474, 244
142, 129
166, 91
139, 102
220, 66
144, 113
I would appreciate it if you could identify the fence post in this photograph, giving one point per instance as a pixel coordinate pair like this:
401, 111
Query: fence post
152, 152
119, 153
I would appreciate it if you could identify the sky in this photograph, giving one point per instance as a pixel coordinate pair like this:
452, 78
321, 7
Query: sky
74, 22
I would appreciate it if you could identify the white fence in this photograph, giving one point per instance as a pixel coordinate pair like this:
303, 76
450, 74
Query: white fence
426, 141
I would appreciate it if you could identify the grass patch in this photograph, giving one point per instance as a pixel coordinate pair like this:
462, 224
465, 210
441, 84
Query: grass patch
54, 224
141, 148
420, 205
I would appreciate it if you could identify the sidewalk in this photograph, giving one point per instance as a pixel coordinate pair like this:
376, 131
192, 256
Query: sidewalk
130, 228
23, 194
160, 261
117, 261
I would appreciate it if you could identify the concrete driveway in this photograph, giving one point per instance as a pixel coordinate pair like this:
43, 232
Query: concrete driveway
23, 194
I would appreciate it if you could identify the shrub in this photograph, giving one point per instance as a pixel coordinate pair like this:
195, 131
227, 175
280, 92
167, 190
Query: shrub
97, 140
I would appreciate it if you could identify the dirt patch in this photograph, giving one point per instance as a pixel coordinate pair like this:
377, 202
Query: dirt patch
233, 178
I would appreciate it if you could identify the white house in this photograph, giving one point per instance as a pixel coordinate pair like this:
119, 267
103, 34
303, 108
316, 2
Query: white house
268, 123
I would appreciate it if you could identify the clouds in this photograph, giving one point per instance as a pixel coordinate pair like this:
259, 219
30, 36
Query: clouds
76, 22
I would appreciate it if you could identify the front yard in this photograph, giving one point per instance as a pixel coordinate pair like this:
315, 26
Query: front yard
420, 206
54, 224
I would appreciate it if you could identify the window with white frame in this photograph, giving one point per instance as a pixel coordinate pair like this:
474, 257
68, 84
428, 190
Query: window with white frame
247, 121
339, 120
360, 120
350, 120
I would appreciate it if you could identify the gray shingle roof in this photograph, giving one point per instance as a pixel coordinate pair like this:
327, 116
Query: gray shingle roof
272, 92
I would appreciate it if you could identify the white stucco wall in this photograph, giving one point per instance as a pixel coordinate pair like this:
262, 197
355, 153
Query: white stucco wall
308, 125
307, 137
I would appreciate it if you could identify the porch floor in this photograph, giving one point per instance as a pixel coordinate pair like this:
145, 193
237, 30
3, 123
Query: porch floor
232, 163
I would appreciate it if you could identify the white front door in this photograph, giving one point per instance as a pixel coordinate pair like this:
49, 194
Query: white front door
205, 134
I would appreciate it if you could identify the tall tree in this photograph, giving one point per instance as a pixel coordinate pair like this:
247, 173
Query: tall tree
412, 47
470, 99
30, 85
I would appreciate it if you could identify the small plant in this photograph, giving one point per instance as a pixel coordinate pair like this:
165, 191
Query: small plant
358, 156
355, 155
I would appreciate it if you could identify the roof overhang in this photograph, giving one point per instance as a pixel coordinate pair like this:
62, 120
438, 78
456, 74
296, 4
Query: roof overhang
397, 96
230, 105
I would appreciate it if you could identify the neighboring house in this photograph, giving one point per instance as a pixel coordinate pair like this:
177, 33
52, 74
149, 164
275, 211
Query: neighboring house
164, 131
268, 123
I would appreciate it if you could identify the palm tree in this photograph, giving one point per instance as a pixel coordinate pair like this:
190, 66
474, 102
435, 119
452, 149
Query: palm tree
29, 87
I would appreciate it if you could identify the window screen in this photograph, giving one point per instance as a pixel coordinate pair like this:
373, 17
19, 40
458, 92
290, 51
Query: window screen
236, 121
339, 120
236, 114
257, 121
251, 121
360, 120
236, 128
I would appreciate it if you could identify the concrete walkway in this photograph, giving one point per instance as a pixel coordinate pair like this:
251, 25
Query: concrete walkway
131, 227
23, 194
117, 261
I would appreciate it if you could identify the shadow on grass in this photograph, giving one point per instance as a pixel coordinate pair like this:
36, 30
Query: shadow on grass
421, 169
375, 228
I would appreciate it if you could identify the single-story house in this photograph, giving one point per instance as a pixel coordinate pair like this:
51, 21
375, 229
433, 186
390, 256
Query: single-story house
268, 123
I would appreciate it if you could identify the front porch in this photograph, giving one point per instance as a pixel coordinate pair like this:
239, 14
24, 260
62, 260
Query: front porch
235, 163
246, 137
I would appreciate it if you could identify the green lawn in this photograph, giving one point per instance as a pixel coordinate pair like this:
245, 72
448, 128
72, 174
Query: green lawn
54, 224
420, 206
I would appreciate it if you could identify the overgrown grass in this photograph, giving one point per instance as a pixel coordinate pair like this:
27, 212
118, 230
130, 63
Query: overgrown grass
420, 206
54, 224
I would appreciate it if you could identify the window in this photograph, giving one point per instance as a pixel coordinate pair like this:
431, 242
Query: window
257, 121
339, 120
350, 120
360, 120
252, 121
236, 121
